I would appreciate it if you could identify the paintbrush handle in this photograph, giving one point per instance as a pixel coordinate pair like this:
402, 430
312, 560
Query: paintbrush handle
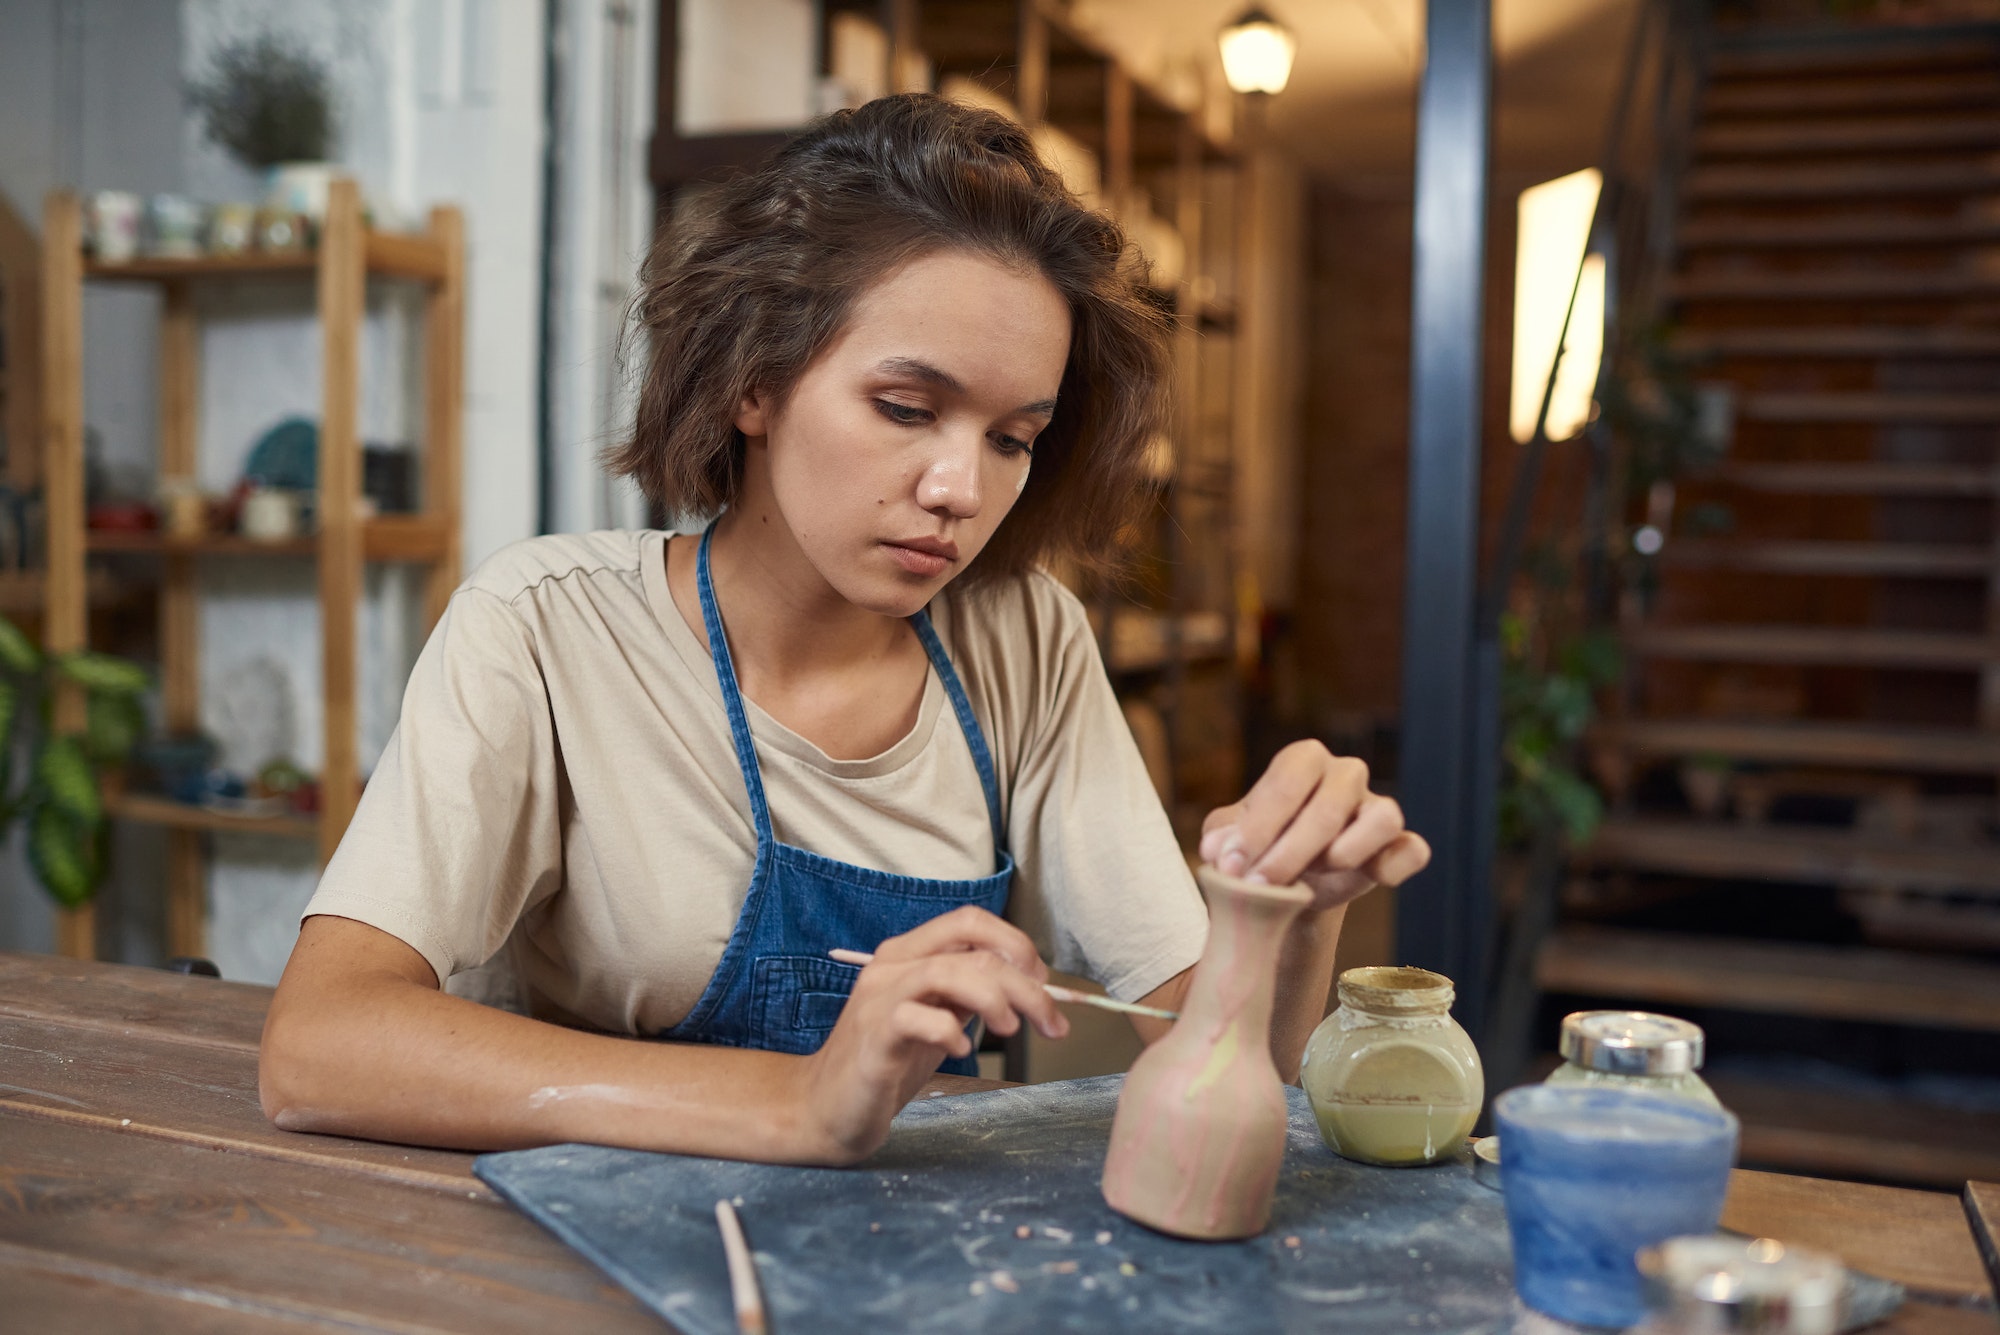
742, 1272
1068, 994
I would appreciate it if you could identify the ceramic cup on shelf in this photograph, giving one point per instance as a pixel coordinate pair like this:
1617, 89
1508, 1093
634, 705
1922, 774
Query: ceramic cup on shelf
175, 226
111, 225
232, 228
281, 230
270, 514
183, 509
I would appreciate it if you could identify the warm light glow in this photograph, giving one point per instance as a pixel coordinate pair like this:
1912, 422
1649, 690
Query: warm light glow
1554, 229
1257, 53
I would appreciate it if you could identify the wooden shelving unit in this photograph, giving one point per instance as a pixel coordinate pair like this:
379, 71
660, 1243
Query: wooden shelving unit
348, 254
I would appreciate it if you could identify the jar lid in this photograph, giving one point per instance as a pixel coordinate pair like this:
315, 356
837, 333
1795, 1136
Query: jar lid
1631, 1042
1395, 989
1757, 1286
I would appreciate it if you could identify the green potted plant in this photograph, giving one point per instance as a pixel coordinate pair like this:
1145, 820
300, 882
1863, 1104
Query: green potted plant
270, 105
56, 793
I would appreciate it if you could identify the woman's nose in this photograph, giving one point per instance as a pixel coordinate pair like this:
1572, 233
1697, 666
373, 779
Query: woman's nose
950, 485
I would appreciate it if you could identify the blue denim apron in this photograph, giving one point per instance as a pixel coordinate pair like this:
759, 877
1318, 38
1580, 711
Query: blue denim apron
774, 987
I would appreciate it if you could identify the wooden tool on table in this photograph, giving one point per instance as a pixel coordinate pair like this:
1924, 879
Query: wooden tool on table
1055, 990
742, 1271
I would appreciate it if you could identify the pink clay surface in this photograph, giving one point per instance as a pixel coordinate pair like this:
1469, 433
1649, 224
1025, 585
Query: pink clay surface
1200, 1130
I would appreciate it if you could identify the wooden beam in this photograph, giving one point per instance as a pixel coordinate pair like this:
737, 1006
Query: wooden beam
1031, 62
1117, 138
341, 294
906, 55
66, 621
179, 612
444, 410
21, 330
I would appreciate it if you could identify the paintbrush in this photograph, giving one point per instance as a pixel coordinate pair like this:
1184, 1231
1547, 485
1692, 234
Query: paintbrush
742, 1272
1060, 993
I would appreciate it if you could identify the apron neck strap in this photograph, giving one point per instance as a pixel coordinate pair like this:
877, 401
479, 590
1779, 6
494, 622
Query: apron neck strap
975, 737
732, 697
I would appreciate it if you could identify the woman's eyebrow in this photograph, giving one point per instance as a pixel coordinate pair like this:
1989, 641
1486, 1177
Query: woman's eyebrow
918, 369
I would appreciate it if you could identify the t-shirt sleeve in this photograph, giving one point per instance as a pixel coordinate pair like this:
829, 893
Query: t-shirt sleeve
458, 831
1101, 884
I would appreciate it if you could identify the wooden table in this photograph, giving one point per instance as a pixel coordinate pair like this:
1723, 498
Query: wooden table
141, 1189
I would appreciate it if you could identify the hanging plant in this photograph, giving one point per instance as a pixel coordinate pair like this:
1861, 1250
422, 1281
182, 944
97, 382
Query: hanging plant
56, 794
267, 102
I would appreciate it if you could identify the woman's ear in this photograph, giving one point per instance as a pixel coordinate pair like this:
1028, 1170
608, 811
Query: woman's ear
753, 415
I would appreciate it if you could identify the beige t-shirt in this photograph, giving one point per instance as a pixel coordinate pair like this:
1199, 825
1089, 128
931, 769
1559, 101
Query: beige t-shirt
562, 784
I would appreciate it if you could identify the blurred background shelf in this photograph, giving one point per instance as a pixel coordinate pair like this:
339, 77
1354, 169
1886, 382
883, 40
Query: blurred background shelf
174, 815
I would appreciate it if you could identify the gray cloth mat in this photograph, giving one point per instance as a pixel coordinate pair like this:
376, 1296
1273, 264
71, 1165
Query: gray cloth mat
925, 1235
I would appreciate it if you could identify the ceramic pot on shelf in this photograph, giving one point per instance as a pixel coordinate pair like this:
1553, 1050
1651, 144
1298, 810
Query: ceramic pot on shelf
299, 188
1200, 1129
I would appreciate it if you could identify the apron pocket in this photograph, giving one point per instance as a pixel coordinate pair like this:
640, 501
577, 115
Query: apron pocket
798, 999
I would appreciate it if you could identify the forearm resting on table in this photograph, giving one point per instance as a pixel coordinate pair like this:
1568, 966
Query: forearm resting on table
1305, 978
360, 1041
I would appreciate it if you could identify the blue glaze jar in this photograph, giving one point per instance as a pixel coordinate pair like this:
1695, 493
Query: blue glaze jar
1591, 1175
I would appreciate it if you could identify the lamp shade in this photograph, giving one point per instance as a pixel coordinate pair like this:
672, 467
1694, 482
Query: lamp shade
1257, 53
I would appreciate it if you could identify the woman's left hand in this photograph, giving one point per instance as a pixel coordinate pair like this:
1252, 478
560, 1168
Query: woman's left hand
1311, 819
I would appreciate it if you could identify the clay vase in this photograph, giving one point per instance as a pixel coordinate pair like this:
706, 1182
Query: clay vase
1200, 1129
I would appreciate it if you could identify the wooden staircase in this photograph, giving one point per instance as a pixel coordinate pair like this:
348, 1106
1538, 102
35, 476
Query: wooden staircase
1835, 647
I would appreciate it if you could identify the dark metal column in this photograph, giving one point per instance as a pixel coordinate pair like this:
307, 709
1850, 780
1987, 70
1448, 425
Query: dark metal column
1443, 916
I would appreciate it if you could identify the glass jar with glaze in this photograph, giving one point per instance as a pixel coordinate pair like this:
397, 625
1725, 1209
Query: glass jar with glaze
1392, 1077
1635, 1049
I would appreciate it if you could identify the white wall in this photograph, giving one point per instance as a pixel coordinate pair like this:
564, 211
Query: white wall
603, 220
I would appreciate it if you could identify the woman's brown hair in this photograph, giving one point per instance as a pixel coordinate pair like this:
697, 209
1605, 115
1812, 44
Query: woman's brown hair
742, 297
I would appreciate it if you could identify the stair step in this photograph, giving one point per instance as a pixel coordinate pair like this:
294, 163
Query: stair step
1790, 742
1839, 181
1833, 284
1775, 557
1893, 50
1933, 409
1836, 982
1969, 227
1824, 135
1842, 341
1863, 479
1837, 95
1817, 646
1808, 1127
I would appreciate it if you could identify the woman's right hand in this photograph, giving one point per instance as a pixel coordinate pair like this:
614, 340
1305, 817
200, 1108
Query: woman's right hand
907, 1013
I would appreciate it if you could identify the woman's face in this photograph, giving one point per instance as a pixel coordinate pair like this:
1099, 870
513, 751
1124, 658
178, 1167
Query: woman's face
907, 440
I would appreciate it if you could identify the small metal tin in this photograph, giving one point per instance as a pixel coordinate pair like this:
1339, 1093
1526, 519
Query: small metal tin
1631, 1043
1722, 1285
1486, 1161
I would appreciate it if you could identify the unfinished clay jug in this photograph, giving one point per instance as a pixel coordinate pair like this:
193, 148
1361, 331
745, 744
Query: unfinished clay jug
1200, 1129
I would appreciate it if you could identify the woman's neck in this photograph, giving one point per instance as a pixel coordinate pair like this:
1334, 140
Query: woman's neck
785, 621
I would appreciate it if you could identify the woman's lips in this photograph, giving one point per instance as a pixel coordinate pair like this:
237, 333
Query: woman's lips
928, 561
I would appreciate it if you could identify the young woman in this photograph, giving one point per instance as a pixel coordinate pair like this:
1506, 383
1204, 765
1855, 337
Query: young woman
660, 776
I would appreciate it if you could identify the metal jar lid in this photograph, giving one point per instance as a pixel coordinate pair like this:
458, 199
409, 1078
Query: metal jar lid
1631, 1043
1720, 1285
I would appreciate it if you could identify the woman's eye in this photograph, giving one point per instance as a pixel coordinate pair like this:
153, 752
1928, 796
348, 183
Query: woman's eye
902, 412
1010, 445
